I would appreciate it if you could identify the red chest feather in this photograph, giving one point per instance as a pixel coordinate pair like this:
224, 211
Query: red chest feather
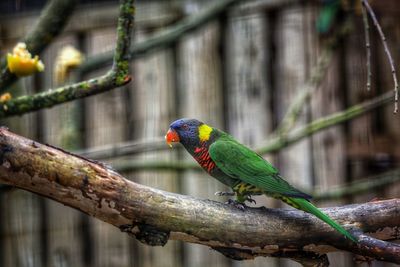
203, 158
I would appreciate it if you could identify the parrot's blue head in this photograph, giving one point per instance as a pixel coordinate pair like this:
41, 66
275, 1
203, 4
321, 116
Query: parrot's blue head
189, 132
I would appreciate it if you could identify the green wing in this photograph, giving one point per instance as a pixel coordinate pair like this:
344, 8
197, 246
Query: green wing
240, 162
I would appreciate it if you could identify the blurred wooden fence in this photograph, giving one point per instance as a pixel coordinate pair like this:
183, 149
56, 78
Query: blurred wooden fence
239, 72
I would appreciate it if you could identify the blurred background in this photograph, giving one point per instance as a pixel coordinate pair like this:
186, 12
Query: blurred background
239, 71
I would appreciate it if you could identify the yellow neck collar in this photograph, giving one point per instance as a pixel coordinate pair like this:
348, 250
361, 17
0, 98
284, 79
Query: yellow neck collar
204, 132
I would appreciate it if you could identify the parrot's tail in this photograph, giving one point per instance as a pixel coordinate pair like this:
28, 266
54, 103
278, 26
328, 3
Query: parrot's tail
306, 206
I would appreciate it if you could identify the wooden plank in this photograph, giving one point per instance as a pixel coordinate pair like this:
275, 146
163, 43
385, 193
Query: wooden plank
371, 136
106, 124
58, 129
105, 112
248, 91
360, 133
22, 245
387, 154
291, 73
329, 146
20, 210
153, 108
200, 97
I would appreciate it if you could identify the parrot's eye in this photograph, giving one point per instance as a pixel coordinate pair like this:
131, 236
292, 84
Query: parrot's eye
185, 126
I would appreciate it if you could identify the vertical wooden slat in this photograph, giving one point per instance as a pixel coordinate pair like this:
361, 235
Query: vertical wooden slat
248, 91
22, 235
200, 98
105, 119
20, 227
388, 154
291, 65
291, 73
329, 146
153, 106
63, 242
329, 152
360, 133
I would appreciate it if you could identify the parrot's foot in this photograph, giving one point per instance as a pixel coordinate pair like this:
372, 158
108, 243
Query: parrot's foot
249, 199
221, 194
239, 205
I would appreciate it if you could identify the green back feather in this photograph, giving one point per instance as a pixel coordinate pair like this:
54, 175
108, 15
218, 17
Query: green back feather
242, 163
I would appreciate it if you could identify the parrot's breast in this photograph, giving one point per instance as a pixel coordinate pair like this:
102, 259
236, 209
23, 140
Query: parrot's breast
202, 156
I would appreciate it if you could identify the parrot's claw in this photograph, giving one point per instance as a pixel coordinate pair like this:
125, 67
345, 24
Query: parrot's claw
221, 194
237, 204
249, 199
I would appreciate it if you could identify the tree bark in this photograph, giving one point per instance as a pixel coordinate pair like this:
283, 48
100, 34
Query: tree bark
154, 216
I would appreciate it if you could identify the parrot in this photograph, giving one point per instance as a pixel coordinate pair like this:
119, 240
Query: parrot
240, 168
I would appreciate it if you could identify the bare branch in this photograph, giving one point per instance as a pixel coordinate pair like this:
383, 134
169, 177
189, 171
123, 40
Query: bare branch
389, 56
154, 216
367, 45
359, 186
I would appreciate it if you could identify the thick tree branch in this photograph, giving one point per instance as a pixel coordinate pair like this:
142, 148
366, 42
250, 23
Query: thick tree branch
154, 216
51, 23
117, 76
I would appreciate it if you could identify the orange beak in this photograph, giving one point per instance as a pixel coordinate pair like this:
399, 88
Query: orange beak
171, 137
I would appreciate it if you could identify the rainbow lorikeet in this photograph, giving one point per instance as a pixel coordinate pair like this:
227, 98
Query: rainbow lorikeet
240, 168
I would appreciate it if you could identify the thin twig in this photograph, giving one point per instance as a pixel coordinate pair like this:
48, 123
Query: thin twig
367, 46
360, 186
389, 56
279, 142
117, 76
